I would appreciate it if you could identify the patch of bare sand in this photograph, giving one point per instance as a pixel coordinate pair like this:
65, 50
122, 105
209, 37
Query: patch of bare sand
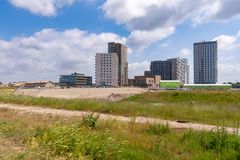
111, 94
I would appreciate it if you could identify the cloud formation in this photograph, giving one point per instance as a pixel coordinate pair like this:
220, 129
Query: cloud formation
48, 53
146, 17
138, 68
42, 7
229, 61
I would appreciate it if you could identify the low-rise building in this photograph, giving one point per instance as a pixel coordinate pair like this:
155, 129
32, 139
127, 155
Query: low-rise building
17, 84
2, 84
75, 80
38, 84
170, 84
208, 86
145, 81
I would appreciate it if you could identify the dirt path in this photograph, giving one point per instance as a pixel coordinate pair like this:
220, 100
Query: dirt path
67, 113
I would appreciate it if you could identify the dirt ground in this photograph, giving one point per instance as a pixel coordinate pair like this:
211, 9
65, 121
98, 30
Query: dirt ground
82, 93
140, 120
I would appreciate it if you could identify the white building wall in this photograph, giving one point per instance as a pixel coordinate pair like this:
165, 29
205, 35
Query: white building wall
106, 69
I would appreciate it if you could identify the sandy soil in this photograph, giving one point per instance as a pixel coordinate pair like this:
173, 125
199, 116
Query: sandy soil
83, 93
143, 120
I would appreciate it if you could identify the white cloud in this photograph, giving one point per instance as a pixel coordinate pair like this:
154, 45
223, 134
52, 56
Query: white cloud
229, 61
229, 72
143, 17
48, 53
141, 39
185, 52
42, 7
227, 41
138, 68
164, 44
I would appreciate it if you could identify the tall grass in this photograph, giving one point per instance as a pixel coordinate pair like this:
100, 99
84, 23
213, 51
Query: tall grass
72, 139
210, 107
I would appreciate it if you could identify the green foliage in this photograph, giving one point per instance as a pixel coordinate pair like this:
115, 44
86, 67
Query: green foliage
49, 138
194, 106
219, 143
76, 142
7, 128
90, 120
161, 150
158, 129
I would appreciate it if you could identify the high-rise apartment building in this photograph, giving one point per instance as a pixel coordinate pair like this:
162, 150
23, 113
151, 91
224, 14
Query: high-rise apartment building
171, 69
162, 68
121, 52
205, 62
106, 69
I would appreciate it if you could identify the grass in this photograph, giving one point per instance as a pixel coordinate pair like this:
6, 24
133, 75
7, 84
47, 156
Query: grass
209, 107
47, 137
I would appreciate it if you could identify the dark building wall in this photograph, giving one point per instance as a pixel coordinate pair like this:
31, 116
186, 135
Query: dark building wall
171, 69
75, 80
205, 63
147, 73
161, 68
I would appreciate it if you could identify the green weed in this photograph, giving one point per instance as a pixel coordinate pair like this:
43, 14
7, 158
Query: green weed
159, 129
90, 120
76, 142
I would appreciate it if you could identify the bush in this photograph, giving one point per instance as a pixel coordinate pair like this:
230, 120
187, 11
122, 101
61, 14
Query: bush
90, 120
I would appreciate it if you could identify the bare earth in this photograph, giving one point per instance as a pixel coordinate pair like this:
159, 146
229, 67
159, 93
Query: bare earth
82, 93
143, 120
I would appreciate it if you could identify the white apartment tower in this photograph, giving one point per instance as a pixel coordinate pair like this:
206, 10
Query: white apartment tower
107, 69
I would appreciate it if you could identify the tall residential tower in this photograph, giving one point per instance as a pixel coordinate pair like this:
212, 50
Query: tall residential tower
106, 69
205, 62
121, 52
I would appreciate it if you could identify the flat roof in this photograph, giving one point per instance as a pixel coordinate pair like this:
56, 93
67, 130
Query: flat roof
170, 81
207, 85
205, 42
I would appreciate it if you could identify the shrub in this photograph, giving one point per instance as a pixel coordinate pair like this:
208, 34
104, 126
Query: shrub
90, 120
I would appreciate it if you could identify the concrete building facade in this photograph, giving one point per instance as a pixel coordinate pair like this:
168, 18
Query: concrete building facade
121, 52
107, 69
205, 62
171, 69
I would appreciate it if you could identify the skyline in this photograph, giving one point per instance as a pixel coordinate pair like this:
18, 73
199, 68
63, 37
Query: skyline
42, 40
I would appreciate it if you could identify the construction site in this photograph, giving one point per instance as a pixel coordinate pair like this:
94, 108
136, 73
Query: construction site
82, 93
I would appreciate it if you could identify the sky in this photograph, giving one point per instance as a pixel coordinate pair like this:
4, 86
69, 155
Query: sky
42, 39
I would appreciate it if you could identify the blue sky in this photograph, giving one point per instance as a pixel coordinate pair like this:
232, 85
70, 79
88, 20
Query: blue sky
42, 39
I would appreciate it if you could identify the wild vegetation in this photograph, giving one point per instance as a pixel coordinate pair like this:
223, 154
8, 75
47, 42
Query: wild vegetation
209, 107
28, 136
